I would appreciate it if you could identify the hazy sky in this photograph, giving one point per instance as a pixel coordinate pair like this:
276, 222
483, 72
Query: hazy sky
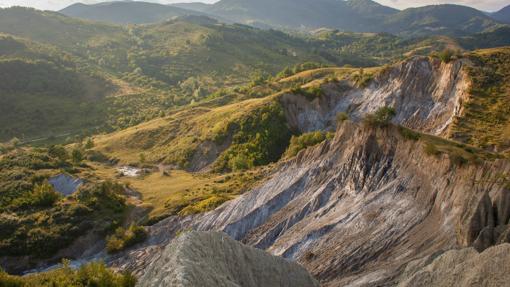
488, 5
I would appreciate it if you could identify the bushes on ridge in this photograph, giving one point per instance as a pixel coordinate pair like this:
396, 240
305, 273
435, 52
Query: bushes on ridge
299, 143
91, 274
259, 139
381, 118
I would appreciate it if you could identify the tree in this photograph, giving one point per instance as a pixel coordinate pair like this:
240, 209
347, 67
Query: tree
89, 144
381, 118
77, 156
446, 55
59, 152
44, 195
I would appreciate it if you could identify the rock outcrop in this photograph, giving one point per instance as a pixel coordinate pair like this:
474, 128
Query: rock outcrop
465, 267
65, 184
355, 210
210, 259
426, 94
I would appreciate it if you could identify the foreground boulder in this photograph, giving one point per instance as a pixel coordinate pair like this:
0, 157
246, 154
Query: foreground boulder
465, 267
213, 259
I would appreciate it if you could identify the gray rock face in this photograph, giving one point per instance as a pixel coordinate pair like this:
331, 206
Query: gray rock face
465, 267
425, 93
212, 259
355, 210
358, 208
65, 184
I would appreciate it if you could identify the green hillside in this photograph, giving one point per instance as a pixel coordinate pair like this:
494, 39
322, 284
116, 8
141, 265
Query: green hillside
45, 92
105, 77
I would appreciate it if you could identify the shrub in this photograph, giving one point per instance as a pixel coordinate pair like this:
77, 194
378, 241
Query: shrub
342, 117
42, 196
457, 159
91, 274
76, 156
362, 79
124, 238
59, 152
205, 205
304, 141
381, 118
310, 93
446, 55
409, 134
431, 149
89, 144
97, 156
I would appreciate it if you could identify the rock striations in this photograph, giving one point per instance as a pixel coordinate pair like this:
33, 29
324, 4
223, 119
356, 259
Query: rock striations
206, 259
426, 94
465, 267
357, 209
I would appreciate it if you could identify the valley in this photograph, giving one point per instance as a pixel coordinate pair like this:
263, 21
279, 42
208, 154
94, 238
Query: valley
190, 143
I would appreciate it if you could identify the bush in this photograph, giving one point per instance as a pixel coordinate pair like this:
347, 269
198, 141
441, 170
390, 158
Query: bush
409, 134
457, 159
431, 149
310, 93
76, 156
97, 156
446, 55
89, 144
59, 152
381, 118
43, 196
342, 117
304, 141
124, 238
91, 274
362, 79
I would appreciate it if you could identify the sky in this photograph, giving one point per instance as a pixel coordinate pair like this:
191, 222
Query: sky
486, 5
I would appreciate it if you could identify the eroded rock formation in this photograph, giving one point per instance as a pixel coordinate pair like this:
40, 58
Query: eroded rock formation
207, 259
358, 209
425, 93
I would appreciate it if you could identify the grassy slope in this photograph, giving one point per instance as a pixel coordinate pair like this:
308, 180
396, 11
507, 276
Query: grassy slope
485, 121
166, 65
171, 139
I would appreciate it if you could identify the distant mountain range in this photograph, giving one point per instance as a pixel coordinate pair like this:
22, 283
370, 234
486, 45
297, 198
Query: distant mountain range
351, 15
502, 15
126, 12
